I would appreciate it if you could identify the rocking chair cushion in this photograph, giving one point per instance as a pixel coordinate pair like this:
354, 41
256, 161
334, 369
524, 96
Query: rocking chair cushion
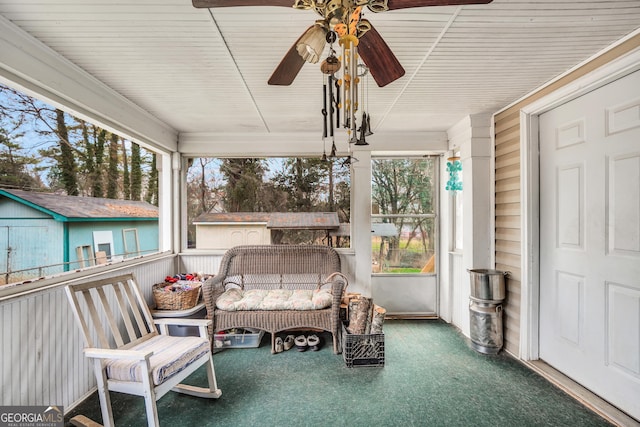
170, 356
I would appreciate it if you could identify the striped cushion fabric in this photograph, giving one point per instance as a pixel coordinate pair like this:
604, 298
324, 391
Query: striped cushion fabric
170, 356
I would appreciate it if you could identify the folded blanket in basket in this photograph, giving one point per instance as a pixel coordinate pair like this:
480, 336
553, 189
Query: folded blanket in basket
274, 299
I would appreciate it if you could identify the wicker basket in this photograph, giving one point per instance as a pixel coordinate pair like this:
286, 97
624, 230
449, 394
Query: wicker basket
175, 300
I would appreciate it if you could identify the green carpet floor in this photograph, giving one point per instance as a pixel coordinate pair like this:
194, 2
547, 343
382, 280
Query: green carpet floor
431, 377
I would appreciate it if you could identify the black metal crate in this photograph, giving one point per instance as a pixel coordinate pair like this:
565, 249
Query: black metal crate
362, 349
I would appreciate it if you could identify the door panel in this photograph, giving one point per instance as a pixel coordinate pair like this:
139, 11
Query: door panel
624, 213
406, 295
590, 241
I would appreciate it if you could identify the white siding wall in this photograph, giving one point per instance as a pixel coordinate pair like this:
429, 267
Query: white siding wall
203, 263
226, 236
42, 361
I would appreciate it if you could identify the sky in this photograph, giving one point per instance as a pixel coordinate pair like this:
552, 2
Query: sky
32, 135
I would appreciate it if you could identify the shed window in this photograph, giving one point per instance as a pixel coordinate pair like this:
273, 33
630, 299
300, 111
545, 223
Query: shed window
131, 242
103, 242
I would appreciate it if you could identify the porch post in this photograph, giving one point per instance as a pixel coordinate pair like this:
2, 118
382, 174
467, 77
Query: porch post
165, 194
361, 220
475, 155
472, 136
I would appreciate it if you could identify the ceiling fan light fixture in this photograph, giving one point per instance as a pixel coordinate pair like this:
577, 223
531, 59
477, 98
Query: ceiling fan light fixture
303, 4
378, 6
333, 9
311, 45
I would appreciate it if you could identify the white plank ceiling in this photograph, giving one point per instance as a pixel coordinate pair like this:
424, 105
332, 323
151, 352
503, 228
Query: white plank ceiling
206, 70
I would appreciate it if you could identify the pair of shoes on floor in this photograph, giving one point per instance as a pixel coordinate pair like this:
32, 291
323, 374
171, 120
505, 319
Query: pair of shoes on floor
288, 342
283, 345
312, 342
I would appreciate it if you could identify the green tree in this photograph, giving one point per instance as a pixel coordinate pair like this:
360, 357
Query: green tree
152, 186
404, 187
126, 181
73, 151
14, 172
301, 179
89, 156
66, 161
243, 184
312, 185
98, 178
112, 172
48, 135
136, 172
338, 188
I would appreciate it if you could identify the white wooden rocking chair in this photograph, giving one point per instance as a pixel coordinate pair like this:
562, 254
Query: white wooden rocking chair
130, 356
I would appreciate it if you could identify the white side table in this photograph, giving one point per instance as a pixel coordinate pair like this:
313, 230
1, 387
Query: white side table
199, 311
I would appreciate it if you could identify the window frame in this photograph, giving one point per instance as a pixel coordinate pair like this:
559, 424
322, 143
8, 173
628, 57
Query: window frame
435, 215
184, 217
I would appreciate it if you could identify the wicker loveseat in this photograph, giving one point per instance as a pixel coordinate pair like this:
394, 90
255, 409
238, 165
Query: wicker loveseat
272, 267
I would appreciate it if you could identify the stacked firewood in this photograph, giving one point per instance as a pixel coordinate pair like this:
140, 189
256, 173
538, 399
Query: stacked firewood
364, 317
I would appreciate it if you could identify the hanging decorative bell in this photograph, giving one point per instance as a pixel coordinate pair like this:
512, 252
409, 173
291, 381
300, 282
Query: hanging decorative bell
369, 131
363, 131
330, 65
361, 140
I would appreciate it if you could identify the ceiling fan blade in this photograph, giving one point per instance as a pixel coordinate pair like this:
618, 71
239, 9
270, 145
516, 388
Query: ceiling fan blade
233, 3
287, 70
376, 54
405, 4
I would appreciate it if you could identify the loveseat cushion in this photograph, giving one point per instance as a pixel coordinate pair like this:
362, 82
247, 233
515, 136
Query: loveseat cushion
170, 356
235, 299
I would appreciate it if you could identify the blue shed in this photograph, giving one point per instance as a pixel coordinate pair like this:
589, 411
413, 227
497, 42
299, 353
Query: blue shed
43, 234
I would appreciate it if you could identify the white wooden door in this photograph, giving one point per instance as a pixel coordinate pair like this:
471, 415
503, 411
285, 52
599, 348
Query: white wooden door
590, 241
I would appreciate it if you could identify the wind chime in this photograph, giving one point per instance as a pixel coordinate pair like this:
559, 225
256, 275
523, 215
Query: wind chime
345, 88
454, 165
329, 67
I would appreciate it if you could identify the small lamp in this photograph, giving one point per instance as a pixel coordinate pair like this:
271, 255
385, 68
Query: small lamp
312, 43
